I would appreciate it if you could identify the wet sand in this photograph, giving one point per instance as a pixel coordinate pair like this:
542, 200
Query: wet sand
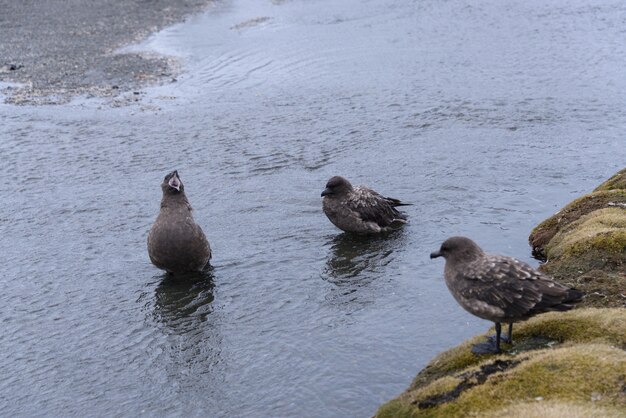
58, 49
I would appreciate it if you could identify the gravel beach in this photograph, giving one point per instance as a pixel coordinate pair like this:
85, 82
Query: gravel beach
58, 49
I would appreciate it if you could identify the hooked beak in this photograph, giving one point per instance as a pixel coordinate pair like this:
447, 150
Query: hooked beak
435, 254
326, 192
174, 181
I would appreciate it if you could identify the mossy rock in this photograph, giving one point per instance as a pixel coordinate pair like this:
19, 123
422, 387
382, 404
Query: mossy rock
592, 242
618, 181
546, 230
602, 289
590, 254
571, 240
581, 365
581, 325
555, 409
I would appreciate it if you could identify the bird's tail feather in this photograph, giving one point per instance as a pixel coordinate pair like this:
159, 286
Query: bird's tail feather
573, 296
397, 202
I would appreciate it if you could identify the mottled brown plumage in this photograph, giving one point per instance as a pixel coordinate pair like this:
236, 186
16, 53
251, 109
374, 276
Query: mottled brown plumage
359, 209
176, 242
499, 288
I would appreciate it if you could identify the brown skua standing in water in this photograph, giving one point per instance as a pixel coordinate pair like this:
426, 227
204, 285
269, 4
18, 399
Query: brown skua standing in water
176, 242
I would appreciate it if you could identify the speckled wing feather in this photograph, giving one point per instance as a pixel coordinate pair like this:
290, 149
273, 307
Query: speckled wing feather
372, 207
513, 286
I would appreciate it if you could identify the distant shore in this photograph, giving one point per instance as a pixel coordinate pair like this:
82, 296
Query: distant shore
58, 49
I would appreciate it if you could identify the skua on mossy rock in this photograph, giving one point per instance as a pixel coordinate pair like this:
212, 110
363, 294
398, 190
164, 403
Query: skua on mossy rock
499, 288
564, 364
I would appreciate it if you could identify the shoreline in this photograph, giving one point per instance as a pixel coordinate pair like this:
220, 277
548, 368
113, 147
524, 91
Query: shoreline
57, 50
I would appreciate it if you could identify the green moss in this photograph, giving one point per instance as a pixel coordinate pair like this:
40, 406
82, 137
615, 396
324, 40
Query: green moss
588, 325
585, 245
586, 368
441, 385
601, 230
577, 326
590, 254
618, 181
602, 289
555, 409
545, 231
599, 222
453, 360
402, 407
568, 373
395, 409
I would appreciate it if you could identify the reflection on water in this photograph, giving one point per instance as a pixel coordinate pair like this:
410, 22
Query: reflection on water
191, 355
352, 254
182, 301
357, 268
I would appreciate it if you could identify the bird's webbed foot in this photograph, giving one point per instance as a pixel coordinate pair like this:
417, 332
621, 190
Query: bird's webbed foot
504, 339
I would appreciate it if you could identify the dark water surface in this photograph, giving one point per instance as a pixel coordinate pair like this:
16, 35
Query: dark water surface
489, 118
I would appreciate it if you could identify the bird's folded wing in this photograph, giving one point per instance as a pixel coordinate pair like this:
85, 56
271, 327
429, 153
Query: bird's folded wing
372, 207
502, 282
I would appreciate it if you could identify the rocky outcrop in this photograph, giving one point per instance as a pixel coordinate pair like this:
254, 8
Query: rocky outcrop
561, 363
584, 244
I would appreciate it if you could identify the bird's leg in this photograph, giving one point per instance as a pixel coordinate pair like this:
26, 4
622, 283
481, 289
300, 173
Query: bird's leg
509, 337
505, 338
492, 346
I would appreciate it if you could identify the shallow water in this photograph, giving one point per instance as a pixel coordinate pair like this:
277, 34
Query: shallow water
488, 119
